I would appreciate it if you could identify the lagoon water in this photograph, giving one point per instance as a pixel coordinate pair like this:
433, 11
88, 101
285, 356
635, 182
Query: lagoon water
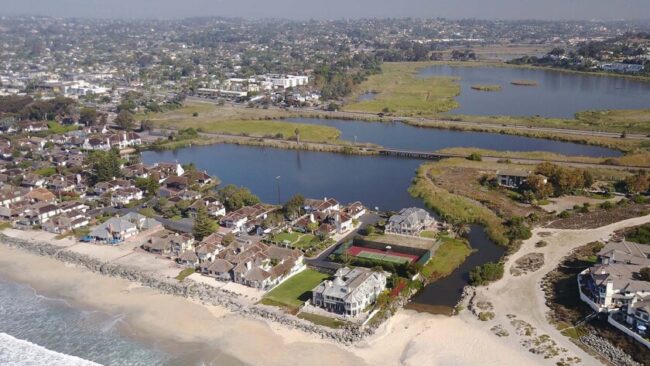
402, 136
558, 94
376, 181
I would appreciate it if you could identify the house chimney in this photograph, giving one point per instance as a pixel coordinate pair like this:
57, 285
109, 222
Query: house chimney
338, 222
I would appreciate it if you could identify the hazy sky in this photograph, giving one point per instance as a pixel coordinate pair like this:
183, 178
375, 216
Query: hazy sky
334, 9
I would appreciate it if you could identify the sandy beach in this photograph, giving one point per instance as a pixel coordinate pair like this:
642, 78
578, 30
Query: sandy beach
409, 338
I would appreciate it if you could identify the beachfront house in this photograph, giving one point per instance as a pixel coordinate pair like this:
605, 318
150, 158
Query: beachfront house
350, 292
637, 314
409, 221
113, 231
614, 282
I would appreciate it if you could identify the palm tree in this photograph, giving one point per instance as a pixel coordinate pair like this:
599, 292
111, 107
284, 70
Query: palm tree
297, 133
462, 230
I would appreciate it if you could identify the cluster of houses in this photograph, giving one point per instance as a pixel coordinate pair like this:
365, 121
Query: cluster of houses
87, 138
250, 263
615, 286
45, 185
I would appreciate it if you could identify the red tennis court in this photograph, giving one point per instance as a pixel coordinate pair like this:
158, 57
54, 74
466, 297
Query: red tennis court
388, 256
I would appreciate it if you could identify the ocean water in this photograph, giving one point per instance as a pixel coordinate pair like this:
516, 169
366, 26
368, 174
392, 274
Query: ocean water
16, 352
37, 330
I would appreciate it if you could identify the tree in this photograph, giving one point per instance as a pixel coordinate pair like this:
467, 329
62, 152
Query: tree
125, 120
293, 206
228, 239
104, 165
369, 230
462, 230
234, 197
638, 183
297, 133
146, 125
539, 185
148, 185
203, 224
88, 116
312, 226
644, 274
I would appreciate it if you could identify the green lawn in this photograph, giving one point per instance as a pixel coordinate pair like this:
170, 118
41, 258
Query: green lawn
451, 254
305, 241
428, 234
289, 237
294, 291
322, 320
185, 273
56, 127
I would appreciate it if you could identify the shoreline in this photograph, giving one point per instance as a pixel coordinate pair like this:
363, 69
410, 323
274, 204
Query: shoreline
230, 338
188, 289
408, 338
488, 63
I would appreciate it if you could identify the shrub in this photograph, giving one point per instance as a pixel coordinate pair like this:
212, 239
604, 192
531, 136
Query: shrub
195, 114
564, 214
475, 157
489, 272
640, 234
518, 230
369, 230
541, 244
607, 205
485, 316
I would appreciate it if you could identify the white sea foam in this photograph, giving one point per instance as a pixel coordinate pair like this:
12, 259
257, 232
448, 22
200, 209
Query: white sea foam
17, 352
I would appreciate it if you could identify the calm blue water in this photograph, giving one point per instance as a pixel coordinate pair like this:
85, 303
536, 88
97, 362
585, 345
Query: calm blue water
558, 94
28, 319
375, 181
446, 292
403, 136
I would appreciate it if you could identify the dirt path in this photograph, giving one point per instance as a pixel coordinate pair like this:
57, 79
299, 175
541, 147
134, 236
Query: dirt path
518, 301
